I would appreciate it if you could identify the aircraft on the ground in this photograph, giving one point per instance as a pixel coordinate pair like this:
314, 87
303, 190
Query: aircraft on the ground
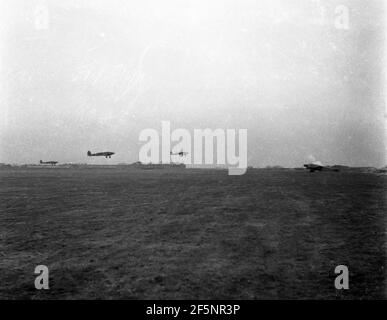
317, 166
53, 163
106, 154
181, 153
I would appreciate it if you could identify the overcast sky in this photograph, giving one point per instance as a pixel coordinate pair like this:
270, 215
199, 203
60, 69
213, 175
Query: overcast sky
93, 74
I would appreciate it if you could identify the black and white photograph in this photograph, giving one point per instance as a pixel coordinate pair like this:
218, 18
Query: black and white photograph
193, 150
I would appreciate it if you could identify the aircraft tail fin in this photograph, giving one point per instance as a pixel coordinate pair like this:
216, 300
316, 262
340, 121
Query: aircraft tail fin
40, 161
89, 153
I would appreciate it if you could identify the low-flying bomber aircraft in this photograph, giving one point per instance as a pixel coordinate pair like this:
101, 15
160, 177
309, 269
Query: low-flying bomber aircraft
53, 163
106, 154
181, 153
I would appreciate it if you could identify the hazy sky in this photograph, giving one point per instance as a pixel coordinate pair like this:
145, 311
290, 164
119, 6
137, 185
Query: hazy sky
90, 75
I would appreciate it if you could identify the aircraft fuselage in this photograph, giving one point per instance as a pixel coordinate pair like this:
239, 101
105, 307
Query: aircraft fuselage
313, 167
316, 167
106, 154
53, 163
181, 153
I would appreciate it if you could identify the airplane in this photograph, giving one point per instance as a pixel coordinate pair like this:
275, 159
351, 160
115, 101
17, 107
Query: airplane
181, 153
106, 154
53, 163
317, 166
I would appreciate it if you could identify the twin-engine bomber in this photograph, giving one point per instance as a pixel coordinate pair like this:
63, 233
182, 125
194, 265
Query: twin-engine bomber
106, 154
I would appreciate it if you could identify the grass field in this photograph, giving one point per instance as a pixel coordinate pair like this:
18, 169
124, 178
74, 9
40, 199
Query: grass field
191, 234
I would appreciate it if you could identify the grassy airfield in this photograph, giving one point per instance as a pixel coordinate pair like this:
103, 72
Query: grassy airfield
127, 233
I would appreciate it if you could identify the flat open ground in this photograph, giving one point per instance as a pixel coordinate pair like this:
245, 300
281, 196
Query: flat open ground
191, 234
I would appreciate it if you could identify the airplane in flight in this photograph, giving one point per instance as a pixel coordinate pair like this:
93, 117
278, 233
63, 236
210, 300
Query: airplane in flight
318, 166
181, 153
53, 163
106, 154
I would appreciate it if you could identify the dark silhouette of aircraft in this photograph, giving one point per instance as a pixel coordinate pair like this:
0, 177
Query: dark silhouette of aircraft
106, 154
312, 167
181, 153
53, 163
